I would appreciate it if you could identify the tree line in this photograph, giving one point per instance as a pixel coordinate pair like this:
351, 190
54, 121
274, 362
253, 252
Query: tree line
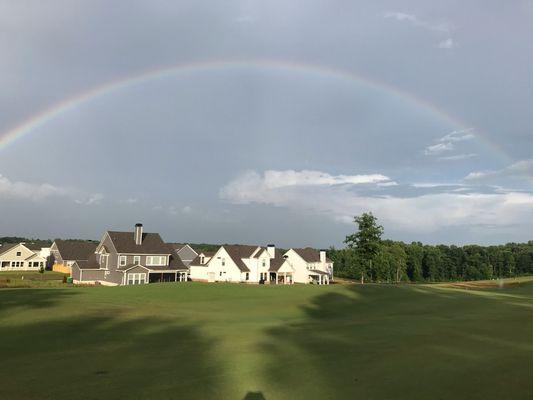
369, 258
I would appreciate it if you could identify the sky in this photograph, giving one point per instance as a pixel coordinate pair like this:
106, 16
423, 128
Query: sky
267, 122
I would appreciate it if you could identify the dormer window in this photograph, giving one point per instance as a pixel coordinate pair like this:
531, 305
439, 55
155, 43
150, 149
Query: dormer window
202, 260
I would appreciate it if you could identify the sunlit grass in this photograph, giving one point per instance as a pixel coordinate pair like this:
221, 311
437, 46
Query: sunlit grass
193, 340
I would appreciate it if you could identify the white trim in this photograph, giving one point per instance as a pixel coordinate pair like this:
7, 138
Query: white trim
134, 266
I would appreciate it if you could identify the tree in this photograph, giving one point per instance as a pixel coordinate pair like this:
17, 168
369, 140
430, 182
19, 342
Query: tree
366, 241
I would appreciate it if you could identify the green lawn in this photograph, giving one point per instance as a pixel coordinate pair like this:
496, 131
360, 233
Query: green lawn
222, 341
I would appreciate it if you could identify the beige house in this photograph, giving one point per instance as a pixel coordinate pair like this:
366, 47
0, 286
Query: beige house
22, 257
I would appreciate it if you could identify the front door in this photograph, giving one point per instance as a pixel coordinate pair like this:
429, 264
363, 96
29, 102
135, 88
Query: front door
211, 276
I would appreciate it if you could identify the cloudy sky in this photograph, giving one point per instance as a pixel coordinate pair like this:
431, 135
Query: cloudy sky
258, 122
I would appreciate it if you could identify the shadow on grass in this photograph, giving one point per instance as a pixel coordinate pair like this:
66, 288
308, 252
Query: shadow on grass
14, 299
377, 342
106, 356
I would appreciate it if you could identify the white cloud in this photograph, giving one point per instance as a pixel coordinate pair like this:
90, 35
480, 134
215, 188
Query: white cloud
41, 191
414, 20
425, 213
447, 44
521, 170
447, 143
438, 148
458, 157
273, 180
458, 136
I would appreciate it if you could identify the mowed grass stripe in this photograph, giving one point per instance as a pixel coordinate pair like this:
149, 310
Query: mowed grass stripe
194, 340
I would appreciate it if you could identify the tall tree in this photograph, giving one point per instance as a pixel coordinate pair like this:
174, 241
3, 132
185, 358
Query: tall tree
366, 241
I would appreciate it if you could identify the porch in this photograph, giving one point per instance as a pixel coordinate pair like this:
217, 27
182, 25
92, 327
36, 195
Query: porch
277, 278
167, 276
318, 277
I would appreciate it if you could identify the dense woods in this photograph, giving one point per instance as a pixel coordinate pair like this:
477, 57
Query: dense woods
392, 261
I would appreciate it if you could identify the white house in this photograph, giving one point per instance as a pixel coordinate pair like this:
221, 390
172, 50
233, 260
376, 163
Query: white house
310, 265
22, 257
255, 264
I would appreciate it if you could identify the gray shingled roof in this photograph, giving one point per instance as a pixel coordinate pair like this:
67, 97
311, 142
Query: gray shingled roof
75, 250
152, 243
88, 264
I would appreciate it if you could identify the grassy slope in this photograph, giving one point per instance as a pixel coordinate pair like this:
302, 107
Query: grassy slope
301, 342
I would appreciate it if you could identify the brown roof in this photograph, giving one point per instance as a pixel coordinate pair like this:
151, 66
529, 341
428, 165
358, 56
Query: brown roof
259, 252
75, 250
310, 255
6, 246
152, 243
239, 251
275, 264
196, 260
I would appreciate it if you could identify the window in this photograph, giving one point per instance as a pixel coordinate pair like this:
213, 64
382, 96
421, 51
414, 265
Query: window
156, 260
19, 253
223, 262
247, 276
136, 279
202, 260
122, 260
136, 259
264, 263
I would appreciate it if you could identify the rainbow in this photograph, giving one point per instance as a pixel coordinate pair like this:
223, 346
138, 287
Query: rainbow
42, 118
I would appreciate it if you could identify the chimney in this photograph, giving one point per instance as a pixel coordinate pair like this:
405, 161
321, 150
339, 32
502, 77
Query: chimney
271, 248
323, 256
138, 233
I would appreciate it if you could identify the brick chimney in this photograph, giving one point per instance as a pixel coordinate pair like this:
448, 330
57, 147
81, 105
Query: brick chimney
138, 234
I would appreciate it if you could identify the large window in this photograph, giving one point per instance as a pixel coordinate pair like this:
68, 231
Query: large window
136, 279
122, 260
156, 260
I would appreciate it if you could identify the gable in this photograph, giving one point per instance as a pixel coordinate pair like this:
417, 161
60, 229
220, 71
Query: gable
11, 253
187, 253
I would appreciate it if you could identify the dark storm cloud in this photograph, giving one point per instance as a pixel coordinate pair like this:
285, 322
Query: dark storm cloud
162, 151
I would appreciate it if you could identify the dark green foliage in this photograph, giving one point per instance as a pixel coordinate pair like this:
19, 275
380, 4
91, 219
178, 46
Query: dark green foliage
390, 261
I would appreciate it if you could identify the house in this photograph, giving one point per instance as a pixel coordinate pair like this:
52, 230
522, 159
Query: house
64, 253
130, 258
185, 252
310, 265
23, 257
255, 264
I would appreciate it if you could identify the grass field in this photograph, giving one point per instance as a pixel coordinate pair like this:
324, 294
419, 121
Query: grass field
224, 341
